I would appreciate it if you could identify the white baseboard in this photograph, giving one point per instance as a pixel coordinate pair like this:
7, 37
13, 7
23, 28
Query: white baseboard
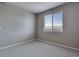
59, 45
15, 44
45, 41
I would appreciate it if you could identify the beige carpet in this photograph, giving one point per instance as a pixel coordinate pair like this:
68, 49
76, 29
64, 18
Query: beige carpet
38, 49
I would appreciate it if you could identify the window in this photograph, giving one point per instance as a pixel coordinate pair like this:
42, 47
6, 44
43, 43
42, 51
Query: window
53, 22
48, 22
58, 21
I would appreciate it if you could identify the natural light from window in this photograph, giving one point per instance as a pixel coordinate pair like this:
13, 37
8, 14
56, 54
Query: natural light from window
58, 21
53, 22
48, 23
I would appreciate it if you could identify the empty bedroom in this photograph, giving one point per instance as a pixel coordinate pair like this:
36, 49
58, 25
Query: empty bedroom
39, 29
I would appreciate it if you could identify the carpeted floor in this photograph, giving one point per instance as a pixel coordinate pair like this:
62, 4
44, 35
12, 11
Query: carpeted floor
38, 49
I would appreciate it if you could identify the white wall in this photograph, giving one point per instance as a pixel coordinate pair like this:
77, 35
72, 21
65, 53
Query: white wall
17, 25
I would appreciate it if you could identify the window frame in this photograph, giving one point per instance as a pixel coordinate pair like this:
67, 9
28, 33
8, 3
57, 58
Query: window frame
44, 22
52, 20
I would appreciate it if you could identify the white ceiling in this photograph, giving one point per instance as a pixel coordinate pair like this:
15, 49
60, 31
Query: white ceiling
36, 7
